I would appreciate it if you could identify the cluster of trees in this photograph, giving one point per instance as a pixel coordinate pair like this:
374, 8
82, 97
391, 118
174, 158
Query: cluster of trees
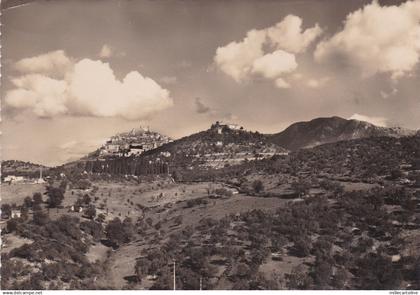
62, 241
308, 228
119, 232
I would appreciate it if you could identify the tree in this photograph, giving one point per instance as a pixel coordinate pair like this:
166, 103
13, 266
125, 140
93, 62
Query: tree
377, 201
28, 202
37, 197
376, 272
322, 273
301, 187
40, 218
6, 211
129, 229
24, 211
12, 225
100, 218
90, 212
63, 185
117, 232
93, 228
395, 174
258, 186
86, 199
302, 246
298, 279
55, 196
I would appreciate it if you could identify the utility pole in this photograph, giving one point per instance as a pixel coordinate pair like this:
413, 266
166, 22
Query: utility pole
174, 276
201, 283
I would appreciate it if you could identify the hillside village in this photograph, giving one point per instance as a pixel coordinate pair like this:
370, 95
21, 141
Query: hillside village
232, 208
131, 143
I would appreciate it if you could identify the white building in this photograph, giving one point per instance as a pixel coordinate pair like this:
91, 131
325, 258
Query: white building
13, 179
16, 213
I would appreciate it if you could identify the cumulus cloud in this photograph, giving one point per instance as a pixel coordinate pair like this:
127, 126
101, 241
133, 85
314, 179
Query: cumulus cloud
237, 58
377, 39
89, 88
288, 34
378, 121
269, 52
54, 62
105, 52
274, 64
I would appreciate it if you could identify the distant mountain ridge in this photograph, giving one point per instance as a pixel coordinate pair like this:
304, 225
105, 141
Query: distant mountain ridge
331, 129
224, 144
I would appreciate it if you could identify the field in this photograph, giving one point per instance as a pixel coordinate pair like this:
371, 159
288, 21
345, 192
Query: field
15, 193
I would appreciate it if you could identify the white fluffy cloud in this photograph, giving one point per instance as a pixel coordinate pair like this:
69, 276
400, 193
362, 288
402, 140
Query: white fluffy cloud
274, 64
288, 34
377, 39
378, 121
236, 58
89, 88
241, 60
54, 62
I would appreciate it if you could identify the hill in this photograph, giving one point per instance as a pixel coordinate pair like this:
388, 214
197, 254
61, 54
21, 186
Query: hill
21, 168
325, 130
220, 146
130, 143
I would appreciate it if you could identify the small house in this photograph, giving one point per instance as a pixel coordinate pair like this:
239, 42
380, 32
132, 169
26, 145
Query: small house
16, 213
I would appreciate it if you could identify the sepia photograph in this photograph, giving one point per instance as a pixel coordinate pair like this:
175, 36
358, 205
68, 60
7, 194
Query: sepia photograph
210, 145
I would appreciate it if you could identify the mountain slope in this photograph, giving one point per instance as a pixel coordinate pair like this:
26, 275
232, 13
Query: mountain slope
220, 146
325, 130
216, 147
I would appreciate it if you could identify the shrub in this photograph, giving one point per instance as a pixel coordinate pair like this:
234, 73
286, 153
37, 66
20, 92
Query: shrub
90, 212
258, 186
40, 218
37, 198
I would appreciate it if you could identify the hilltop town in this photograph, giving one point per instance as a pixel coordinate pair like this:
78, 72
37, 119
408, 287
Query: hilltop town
131, 143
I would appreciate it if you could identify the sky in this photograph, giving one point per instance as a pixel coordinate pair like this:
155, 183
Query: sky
76, 72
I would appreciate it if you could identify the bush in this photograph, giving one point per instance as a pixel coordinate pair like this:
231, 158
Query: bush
90, 212
12, 225
101, 218
27, 202
298, 279
40, 218
118, 232
93, 228
6, 211
223, 192
37, 198
86, 199
257, 186
301, 187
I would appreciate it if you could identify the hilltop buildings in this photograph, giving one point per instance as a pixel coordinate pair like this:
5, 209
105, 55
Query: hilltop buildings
133, 143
